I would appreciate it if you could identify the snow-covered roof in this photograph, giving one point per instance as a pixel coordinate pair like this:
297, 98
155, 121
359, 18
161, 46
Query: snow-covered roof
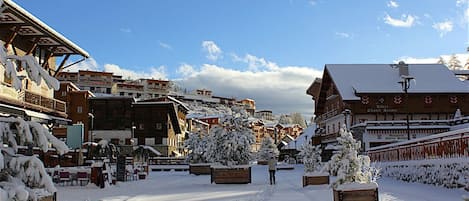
307, 134
383, 78
178, 102
44, 26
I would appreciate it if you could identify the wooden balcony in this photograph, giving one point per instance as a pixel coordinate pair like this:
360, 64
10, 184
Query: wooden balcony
42, 102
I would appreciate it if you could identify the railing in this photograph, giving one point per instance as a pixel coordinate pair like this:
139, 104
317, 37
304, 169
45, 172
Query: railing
42, 101
452, 144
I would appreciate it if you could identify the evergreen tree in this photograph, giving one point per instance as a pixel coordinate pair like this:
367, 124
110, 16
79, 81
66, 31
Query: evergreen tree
284, 119
454, 63
197, 145
24, 177
349, 165
297, 118
268, 149
311, 156
230, 143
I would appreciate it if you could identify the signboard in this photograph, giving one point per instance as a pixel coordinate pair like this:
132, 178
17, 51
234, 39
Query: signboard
75, 136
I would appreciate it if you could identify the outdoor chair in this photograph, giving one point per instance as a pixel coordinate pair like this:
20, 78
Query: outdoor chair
82, 176
64, 177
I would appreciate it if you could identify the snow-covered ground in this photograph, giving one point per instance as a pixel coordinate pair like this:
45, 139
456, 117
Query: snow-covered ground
175, 186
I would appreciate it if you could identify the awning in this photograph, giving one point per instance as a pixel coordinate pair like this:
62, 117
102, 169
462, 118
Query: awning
44, 118
6, 110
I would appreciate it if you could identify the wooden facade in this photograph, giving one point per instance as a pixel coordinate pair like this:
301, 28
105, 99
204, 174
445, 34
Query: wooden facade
378, 112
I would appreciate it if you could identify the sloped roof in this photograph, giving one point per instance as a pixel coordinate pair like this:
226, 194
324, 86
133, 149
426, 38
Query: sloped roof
383, 78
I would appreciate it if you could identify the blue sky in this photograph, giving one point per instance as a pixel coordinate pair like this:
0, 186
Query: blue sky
262, 49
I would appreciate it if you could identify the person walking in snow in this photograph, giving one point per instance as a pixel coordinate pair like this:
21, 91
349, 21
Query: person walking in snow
272, 168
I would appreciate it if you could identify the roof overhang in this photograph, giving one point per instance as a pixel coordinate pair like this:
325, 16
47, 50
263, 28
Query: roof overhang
17, 19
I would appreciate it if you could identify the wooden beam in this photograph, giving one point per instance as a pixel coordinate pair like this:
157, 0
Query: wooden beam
36, 40
61, 65
12, 36
46, 60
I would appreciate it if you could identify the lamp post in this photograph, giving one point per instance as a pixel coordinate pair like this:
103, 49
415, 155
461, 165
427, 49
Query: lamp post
405, 83
346, 114
90, 139
133, 134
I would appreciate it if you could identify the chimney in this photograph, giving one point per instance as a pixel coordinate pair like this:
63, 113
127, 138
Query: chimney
403, 69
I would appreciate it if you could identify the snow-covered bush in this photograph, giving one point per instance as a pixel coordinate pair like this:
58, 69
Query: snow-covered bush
24, 177
311, 156
350, 167
268, 149
230, 143
197, 146
450, 173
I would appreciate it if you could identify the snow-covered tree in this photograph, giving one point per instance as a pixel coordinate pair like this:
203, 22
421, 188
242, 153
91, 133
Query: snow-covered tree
454, 63
297, 118
268, 149
197, 146
284, 119
230, 143
311, 156
24, 177
349, 165
441, 61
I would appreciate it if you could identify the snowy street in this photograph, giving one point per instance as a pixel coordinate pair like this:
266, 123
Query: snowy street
180, 186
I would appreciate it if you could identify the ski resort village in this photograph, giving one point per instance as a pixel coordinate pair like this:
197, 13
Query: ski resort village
167, 100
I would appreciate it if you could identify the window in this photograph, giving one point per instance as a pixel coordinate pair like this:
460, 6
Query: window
64, 93
141, 126
121, 93
159, 126
79, 109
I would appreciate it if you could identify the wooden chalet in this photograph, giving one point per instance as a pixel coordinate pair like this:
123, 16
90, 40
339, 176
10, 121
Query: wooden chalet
373, 96
22, 34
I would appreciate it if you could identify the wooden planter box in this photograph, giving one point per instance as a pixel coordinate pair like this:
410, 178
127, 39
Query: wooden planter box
199, 169
356, 195
52, 197
231, 175
262, 162
315, 180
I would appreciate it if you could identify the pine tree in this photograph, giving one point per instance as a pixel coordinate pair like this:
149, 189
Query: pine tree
197, 145
349, 165
230, 143
268, 149
297, 118
311, 156
284, 119
454, 63
23, 177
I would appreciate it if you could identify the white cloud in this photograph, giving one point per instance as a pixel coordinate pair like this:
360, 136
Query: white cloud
460, 3
312, 2
405, 21
154, 72
463, 58
213, 51
255, 63
185, 70
443, 27
126, 30
343, 35
393, 4
165, 45
88, 64
281, 89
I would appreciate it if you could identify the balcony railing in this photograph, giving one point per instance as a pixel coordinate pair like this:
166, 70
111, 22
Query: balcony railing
42, 101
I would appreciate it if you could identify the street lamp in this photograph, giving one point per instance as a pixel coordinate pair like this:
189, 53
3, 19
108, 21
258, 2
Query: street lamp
346, 114
90, 139
405, 83
133, 134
